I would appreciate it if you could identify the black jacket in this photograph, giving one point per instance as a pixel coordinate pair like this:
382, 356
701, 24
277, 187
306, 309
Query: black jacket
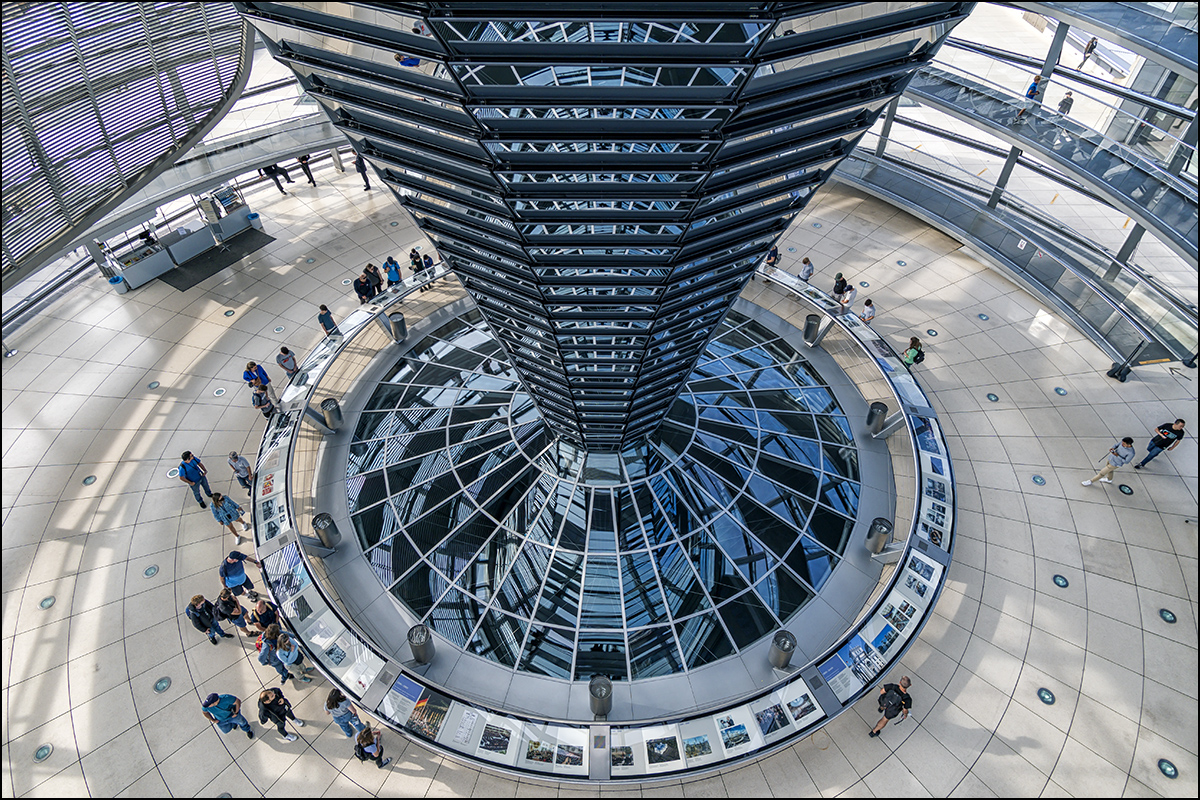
276, 711
202, 617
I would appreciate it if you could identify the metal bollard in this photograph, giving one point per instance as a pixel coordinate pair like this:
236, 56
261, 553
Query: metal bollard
399, 328
812, 324
783, 645
878, 535
332, 412
875, 417
600, 695
421, 643
326, 530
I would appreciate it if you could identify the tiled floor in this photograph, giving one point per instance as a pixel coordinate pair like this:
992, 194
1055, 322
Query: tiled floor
80, 675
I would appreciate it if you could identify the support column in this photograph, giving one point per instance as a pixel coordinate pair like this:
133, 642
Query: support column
1179, 158
1125, 253
1005, 172
888, 119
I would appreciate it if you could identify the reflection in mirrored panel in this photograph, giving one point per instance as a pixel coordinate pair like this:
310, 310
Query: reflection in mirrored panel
522, 548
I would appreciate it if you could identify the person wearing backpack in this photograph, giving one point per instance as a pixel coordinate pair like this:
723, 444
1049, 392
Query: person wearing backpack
915, 354
894, 700
369, 747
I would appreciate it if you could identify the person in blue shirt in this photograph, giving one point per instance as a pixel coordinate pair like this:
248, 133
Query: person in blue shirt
392, 268
234, 577
225, 711
773, 257
193, 473
1031, 94
254, 370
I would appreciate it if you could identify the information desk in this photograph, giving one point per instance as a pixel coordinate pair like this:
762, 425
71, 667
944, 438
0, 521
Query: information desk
184, 245
796, 705
144, 265
234, 222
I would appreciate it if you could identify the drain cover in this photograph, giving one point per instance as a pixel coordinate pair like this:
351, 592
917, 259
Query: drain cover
229, 313
150, 571
1061, 392
1166, 614
89, 480
162, 684
43, 752
152, 385
1039, 480
993, 397
218, 392
47, 602
1061, 582
1125, 488
984, 317
902, 263
279, 329
1046, 696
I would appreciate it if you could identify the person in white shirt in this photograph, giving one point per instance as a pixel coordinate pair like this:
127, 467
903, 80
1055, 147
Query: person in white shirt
868, 312
848, 297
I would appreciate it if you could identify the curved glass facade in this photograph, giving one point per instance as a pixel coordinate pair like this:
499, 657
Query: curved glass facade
520, 548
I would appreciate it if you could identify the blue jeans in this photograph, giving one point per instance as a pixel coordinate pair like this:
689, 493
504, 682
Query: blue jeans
245, 482
1151, 453
214, 630
348, 720
195, 487
236, 721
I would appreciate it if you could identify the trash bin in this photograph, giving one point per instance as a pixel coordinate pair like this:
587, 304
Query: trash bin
876, 416
254, 220
326, 530
600, 695
118, 283
878, 535
783, 644
421, 643
332, 412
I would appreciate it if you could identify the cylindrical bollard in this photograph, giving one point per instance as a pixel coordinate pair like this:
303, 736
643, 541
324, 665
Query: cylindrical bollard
876, 415
812, 323
332, 412
399, 328
421, 643
326, 530
783, 644
878, 534
600, 695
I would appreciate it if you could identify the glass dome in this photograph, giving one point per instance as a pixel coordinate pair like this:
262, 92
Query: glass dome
521, 548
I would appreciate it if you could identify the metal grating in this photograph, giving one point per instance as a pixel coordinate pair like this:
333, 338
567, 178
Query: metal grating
94, 94
604, 186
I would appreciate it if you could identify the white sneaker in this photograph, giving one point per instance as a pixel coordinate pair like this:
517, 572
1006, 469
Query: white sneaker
1087, 483
299, 723
291, 737
1106, 480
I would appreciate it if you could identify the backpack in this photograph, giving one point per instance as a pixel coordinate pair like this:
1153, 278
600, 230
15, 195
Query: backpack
258, 642
191, 613
891, 703
920, 356
359, 753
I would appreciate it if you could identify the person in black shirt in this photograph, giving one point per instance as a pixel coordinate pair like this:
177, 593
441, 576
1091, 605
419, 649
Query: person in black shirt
1088, 49
1167, 437
894, 699
839, 287
307, 170
1064, 105
773, 257
363, 288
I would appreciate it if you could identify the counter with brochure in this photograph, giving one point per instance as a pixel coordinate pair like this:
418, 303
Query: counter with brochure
799, 702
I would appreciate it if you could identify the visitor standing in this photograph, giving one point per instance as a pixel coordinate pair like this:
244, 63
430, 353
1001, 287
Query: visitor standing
1088, 49
392, 267
1166, 437
894, 700
275, 709
193, 473
226, 512
914, 353
868, 312
338, 706
289, 653
360, 166
268, 656
839, 287
1064, 105
849, 296
773, 257
375, 277
234, 577
1118, 456
254, 370
241, 470
287, 360
224, 710
264, 614
327, 324
260, 400
303, 160
363, 288
806, 269
230, 608
204, 618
